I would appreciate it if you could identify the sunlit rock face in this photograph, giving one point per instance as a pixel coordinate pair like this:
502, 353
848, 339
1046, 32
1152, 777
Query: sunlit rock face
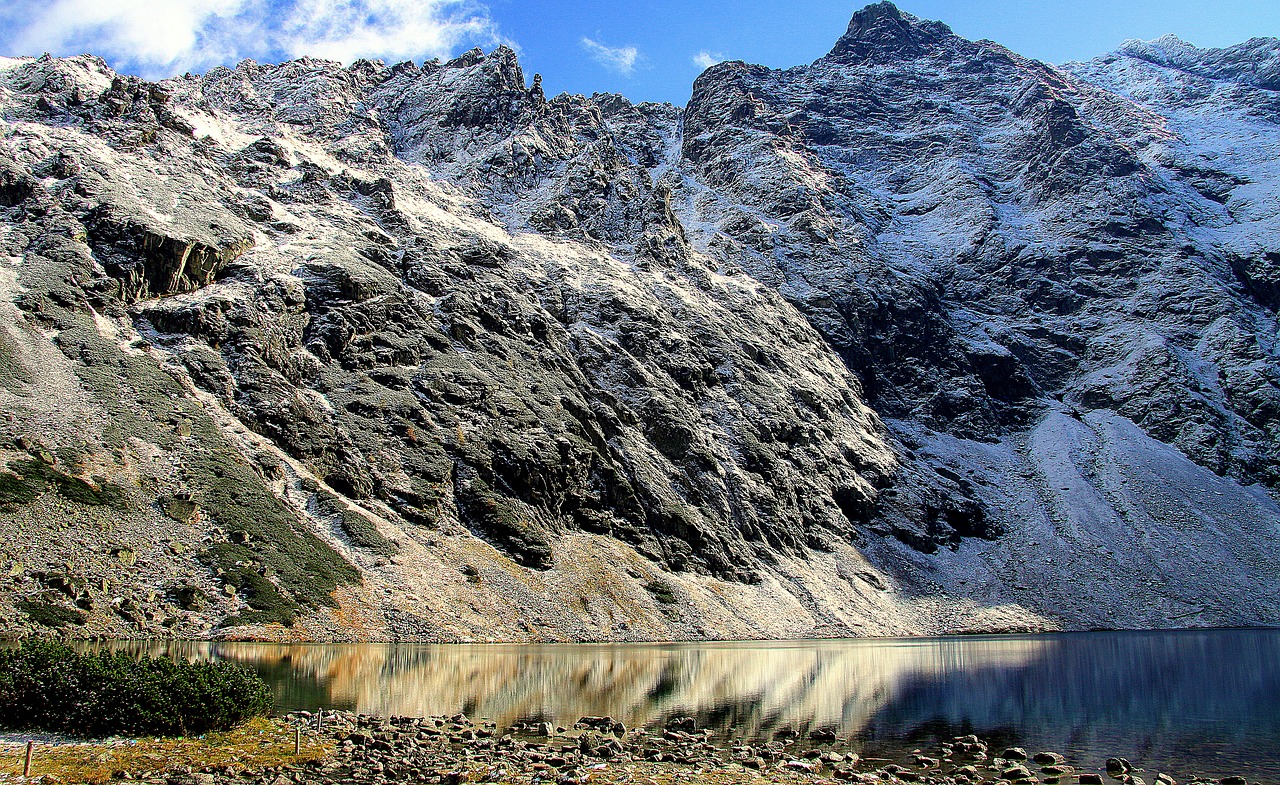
978, 234
924, 336
1034, 264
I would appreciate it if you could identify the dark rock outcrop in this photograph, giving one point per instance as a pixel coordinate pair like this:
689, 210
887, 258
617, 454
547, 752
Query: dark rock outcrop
887, 339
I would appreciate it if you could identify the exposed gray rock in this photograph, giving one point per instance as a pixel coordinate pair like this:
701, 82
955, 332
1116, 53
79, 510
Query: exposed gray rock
413, 351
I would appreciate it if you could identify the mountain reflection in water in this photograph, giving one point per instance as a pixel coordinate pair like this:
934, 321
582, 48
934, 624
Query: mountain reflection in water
1183, 702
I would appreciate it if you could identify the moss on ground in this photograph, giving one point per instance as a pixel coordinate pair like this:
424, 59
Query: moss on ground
362, 532
100, 492
49, 614
180, 510
26, 480
16, 489
661, 591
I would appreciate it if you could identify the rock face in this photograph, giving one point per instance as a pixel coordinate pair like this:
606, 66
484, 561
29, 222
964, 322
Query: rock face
922, 337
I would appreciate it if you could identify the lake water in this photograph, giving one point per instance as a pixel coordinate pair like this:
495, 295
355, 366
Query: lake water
1204, 702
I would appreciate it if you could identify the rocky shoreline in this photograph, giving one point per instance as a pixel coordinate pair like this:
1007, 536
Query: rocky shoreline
456, 749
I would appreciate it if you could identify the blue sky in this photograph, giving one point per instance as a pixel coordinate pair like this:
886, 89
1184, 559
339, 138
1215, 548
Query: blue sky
644, 49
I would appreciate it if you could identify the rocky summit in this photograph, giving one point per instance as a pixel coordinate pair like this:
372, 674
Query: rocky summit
924, 337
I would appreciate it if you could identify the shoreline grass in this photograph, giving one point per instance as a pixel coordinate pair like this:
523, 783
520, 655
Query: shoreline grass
257, 744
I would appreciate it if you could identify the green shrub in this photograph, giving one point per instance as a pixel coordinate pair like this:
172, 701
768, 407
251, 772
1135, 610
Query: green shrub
362, 531
51, 687
239, 568
51, 615
25, 480
661, 591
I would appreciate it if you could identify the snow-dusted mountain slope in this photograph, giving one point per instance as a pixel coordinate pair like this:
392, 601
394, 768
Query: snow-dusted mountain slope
924, 337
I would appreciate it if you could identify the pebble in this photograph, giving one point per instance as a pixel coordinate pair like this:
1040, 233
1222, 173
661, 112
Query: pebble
373, 750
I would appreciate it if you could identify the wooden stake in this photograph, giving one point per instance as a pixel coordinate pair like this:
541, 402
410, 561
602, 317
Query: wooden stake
26, 765
320, 721
297, 740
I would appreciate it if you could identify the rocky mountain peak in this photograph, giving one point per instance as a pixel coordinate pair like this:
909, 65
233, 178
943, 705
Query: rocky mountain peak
1255, 62
926, 337
882, 30
502, 60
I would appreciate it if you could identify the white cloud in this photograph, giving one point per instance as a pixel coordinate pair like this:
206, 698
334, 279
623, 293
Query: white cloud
392, 29
621, 59
163, 37
705, 59
152, 34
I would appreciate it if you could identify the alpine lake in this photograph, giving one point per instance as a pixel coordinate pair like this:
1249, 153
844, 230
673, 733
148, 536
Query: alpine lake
1188, 702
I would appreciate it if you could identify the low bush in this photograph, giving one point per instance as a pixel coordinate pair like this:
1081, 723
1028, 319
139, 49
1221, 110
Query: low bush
362, 531
661, 591
50, 614
51, 687
240, 568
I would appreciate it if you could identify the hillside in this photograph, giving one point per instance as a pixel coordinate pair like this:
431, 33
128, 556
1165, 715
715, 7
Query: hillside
923, 337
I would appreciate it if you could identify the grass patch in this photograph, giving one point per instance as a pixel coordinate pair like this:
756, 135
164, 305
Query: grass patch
26, 480
241, 568
661, 591
51, 687
49, 614
257, 744
359, 529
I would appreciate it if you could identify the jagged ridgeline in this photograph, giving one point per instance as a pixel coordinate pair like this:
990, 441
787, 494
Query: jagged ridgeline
922, 337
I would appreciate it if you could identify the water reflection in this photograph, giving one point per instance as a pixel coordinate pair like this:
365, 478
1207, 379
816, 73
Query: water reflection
1184, 702
1204, 702
753, 687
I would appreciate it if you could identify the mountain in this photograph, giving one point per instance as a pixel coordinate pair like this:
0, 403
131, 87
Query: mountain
923, 337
